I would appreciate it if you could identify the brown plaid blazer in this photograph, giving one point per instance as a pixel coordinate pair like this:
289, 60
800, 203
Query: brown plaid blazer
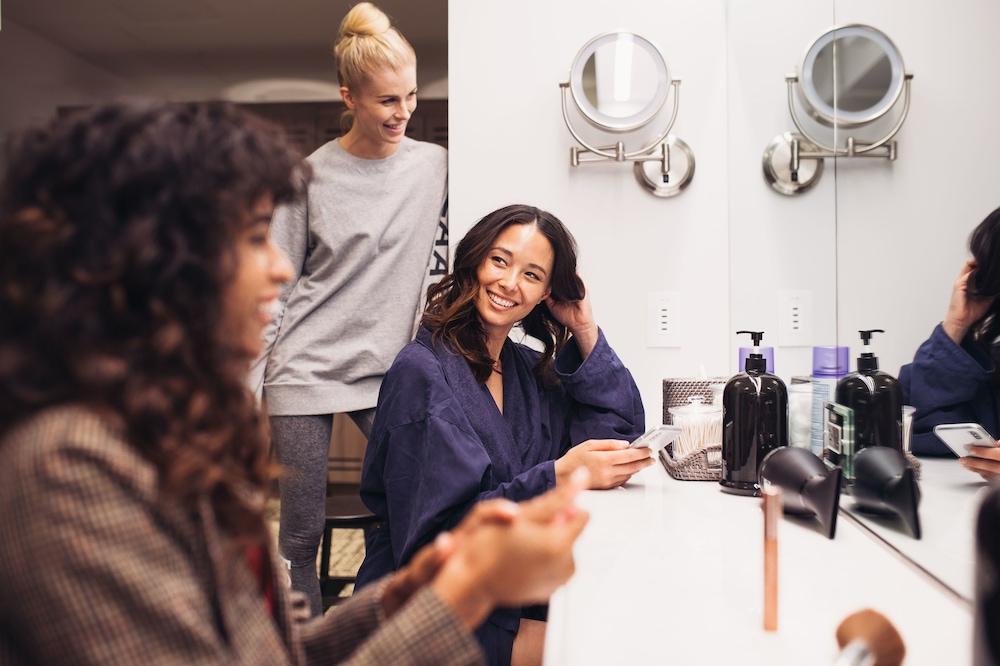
94, 571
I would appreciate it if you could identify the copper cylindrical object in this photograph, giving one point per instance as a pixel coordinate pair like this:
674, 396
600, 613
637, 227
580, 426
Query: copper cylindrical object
771, 503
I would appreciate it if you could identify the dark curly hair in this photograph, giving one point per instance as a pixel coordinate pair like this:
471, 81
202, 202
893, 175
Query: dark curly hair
118, 230
451, 314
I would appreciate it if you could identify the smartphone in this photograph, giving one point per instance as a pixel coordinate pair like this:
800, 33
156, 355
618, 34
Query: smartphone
960, 436
657, 438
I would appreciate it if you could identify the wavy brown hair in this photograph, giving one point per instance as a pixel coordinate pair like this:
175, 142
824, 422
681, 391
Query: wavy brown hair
451, 314
118, 229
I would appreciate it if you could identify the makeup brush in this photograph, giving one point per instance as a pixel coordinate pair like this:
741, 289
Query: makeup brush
867, 638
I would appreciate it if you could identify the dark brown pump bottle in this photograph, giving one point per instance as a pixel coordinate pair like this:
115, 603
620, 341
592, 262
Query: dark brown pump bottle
754, 421
877, 401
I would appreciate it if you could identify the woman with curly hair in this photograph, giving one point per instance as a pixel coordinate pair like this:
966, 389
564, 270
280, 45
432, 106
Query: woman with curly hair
136, 275
466, 414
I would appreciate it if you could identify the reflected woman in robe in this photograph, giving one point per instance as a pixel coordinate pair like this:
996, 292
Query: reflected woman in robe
955, 374
467, 414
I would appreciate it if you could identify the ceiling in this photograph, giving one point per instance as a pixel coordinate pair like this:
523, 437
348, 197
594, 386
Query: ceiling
137, 37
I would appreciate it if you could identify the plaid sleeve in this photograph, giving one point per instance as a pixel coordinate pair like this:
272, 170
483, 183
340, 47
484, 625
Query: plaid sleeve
424, 632
96, 577
334, 636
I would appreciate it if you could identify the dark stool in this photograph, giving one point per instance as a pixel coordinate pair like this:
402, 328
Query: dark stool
343, 511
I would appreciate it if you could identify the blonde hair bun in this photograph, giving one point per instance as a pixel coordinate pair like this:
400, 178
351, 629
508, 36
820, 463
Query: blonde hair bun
368, 42
364, 20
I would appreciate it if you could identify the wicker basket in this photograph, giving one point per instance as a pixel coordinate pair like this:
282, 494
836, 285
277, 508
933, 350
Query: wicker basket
702, 465
677, 390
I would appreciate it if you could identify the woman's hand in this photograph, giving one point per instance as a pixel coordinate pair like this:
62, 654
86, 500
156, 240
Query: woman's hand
610, 462
983, 460
578, 317
515, 563
964, 310
425, 565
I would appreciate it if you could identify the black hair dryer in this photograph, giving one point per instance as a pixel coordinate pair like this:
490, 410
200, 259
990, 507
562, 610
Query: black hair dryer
807, 485
885, 483
986, 626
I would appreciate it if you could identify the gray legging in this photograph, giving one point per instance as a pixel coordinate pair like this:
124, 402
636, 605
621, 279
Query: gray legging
302, 446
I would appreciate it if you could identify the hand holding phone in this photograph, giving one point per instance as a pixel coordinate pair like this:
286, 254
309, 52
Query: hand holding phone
657, 438
960, 437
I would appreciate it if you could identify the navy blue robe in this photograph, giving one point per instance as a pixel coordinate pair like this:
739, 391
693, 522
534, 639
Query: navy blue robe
949, 383
439, 444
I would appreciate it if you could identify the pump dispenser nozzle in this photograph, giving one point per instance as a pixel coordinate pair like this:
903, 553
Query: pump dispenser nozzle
757, 336
755, 361
867, 361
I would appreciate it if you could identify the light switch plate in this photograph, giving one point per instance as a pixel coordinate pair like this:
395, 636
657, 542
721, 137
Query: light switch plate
663, 319
795, 318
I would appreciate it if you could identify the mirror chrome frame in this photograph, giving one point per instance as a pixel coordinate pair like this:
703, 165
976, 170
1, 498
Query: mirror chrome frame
593, 114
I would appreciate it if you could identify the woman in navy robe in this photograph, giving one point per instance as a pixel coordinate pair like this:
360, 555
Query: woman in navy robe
954, 376
466, 414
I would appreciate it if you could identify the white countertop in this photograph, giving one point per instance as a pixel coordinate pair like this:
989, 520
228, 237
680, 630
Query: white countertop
671, 572
950, 496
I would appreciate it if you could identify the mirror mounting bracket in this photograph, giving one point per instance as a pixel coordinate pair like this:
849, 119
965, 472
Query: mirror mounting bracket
657, 150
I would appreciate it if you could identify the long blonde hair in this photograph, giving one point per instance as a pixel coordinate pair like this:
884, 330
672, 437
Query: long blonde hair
367, 41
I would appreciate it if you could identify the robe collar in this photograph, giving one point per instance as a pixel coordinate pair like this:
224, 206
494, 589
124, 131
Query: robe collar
511, 438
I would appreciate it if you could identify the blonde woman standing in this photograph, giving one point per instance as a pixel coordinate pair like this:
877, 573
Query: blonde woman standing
362, 247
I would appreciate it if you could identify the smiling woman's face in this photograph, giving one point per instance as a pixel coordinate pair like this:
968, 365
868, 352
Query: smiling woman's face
261, 269
514, 277
383, 105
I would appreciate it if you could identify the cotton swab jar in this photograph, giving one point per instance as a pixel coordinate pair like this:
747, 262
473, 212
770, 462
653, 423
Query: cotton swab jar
701, 426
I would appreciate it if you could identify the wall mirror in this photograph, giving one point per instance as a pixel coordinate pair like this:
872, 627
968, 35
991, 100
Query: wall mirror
917, 234
619, 82
851, 77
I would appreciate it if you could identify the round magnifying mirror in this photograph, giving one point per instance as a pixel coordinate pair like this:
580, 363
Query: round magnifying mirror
851, 76
619, 81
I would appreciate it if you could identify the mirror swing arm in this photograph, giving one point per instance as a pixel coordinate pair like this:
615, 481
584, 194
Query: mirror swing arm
817, 150
617, 152
657, 150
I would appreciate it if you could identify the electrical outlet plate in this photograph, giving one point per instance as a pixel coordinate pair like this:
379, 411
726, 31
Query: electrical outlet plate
795, 318
663, 319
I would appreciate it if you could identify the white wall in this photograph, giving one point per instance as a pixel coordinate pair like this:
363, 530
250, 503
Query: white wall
37, 76
903, 228
509, 144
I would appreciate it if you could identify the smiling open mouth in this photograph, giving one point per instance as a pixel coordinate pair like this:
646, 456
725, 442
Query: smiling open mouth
500, 301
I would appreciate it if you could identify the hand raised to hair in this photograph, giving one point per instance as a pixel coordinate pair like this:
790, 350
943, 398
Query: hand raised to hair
964, 310
578, 317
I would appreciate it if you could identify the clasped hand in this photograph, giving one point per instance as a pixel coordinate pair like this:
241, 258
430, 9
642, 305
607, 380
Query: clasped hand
502, 554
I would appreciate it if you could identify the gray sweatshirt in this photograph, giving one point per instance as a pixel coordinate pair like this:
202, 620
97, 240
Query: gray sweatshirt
364, 244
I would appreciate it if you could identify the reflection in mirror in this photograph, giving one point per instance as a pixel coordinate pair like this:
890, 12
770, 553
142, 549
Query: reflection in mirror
950, 498
852, 76
620, 79
852, 73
